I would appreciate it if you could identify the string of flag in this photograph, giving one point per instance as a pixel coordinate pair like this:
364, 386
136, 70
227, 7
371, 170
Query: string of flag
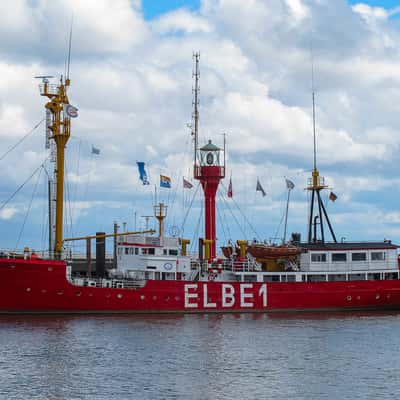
166, 182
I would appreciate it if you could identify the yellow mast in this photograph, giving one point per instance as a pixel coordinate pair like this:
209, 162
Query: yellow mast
60, 129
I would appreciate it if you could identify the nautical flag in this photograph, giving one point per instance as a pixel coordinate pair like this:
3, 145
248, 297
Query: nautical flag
187, 184
70, 110
230, 189
95, 150
259, 188
165, 182
289, 184
332, 196
142, 173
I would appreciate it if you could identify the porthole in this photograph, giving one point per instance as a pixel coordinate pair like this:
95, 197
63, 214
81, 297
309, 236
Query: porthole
90, 294
78, 294
388, 296
60, 292
12, 266
166, 298
358, 297
50, 269
154, 297
119, 295
348, 298
28, 289
142, 297
378, 296
108, 295
44, 291
177, 298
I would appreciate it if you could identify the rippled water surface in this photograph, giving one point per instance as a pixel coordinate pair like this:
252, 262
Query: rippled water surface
309, 356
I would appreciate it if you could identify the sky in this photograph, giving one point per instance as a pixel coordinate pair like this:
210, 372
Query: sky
131, 79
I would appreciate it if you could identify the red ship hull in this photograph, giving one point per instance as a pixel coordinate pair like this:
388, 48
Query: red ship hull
39, 286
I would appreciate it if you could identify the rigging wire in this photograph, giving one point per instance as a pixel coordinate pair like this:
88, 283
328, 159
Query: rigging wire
241, 212
278, 228
23, 184
225, 219
222, 222
75, 192
68, 201
22, 139
190, 206
233, 215
28, 210
197, 230
45, 217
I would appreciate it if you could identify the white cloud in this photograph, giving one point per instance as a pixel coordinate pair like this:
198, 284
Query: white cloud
8, 212
182, 21
132, 82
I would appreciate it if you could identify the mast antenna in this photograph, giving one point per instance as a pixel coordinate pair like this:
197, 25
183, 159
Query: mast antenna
195, 103
313, 108
69, 48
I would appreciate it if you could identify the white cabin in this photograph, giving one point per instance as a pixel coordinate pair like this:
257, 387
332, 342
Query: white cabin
151, 257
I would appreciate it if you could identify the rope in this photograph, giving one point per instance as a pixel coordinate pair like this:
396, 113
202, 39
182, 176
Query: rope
21, 140
21, 186
28, 210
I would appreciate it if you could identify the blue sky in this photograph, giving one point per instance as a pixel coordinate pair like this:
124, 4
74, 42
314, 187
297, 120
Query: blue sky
154, 8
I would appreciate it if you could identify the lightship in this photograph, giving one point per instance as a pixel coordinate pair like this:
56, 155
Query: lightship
155, 274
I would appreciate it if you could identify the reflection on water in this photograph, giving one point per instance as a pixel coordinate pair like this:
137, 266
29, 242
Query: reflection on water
215, 356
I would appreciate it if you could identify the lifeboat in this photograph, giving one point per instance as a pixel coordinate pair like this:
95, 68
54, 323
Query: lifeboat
263, 251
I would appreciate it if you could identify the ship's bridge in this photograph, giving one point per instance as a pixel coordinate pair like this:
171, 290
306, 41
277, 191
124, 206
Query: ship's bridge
152, 257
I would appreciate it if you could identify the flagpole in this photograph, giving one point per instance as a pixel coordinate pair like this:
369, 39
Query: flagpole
286, 216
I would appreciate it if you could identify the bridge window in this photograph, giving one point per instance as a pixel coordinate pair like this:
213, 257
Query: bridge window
316, 278
318, 257
339, 257
126, 250
136, 251
377, 256
376, 276
173, 252
358, 256
271, 278
152, 251
356, 277
336, 277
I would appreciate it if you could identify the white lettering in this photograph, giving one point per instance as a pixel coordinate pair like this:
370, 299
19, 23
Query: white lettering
189, 296
205, 298
244, 296
228, 295
263, 292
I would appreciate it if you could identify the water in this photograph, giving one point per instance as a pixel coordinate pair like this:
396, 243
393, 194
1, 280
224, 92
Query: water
309, 356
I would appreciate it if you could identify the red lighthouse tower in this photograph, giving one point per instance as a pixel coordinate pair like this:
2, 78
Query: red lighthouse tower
209, 169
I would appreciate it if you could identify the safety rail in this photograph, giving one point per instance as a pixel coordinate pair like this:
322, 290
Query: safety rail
27, 254
48, 88
245, 265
